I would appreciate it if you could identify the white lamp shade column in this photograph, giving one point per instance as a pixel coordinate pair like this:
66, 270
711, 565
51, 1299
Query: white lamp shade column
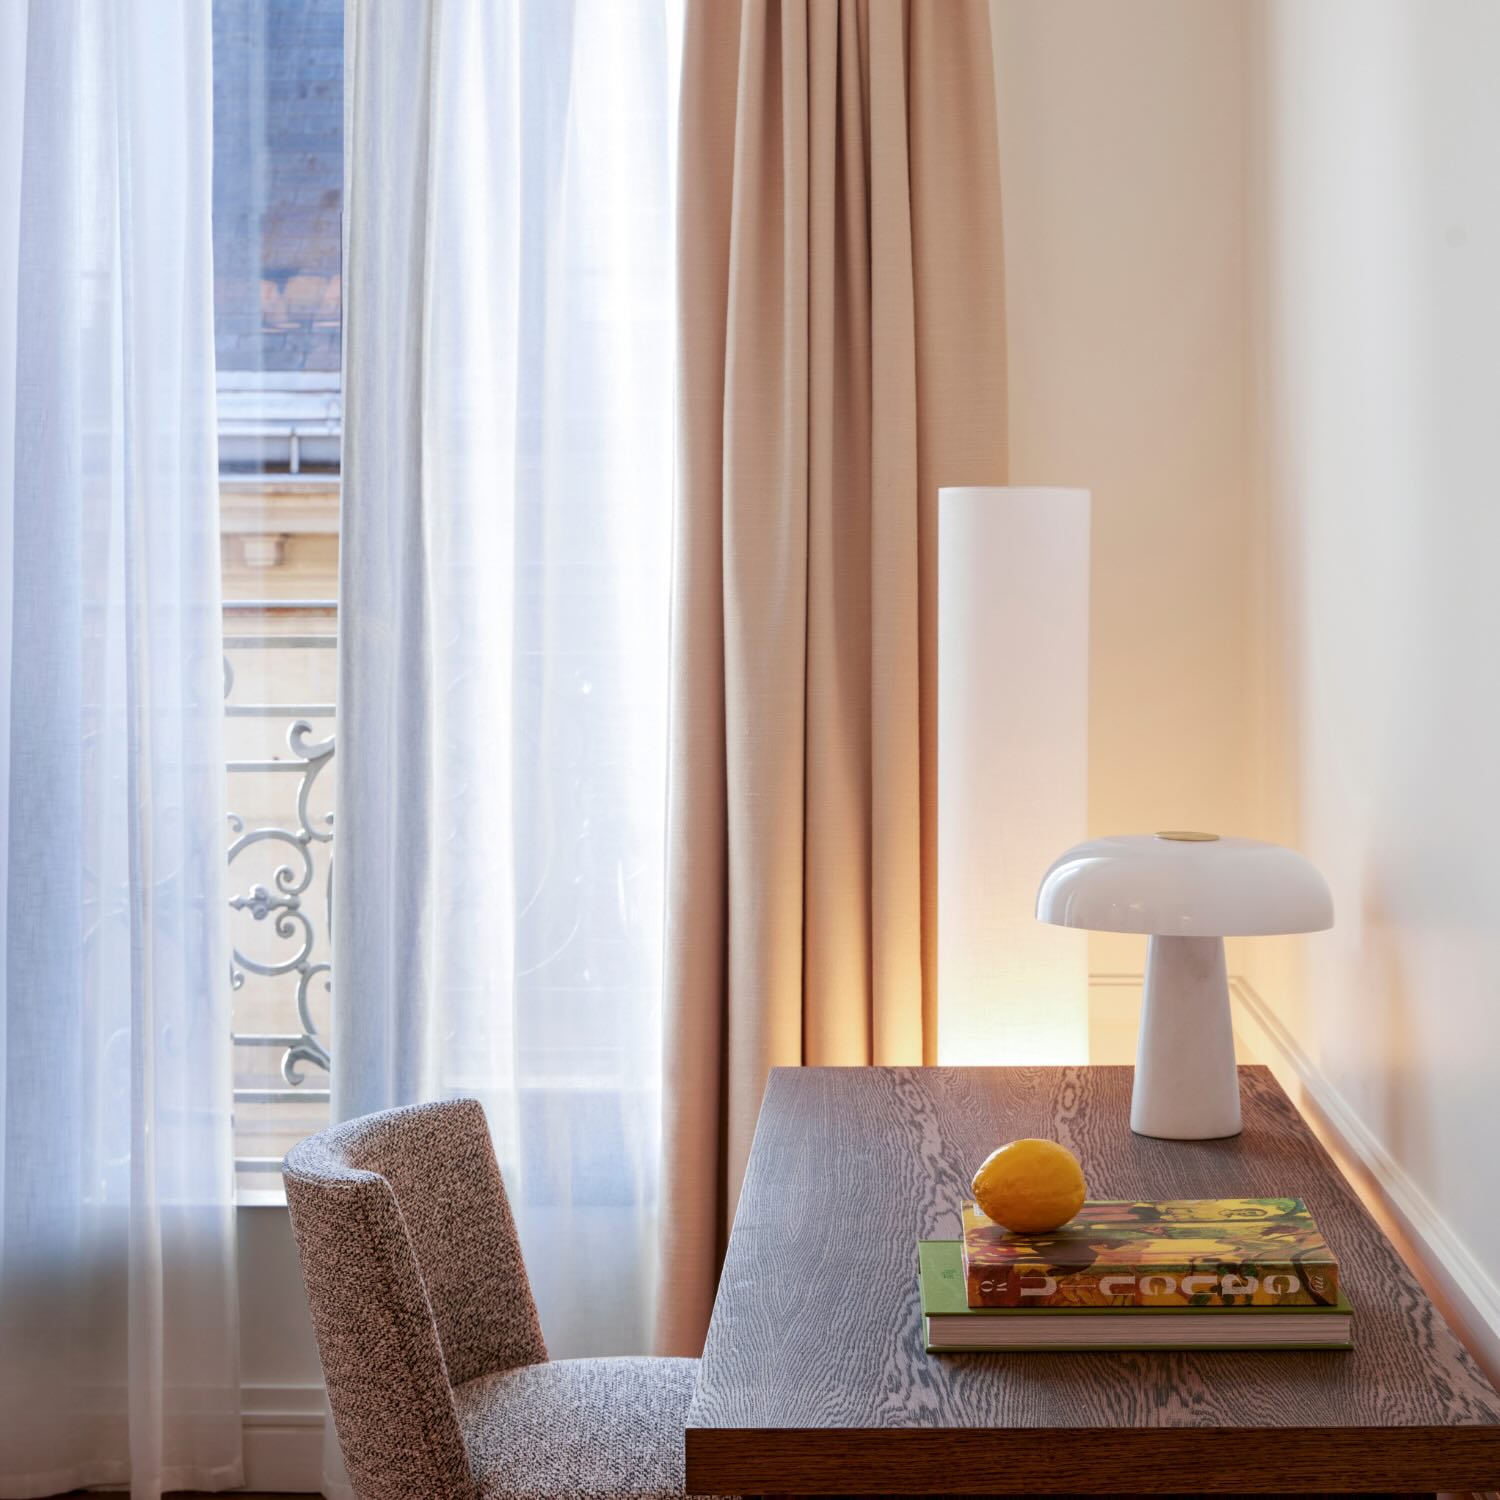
1013, 628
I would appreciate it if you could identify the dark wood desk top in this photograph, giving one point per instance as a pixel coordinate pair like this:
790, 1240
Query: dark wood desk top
814, 1379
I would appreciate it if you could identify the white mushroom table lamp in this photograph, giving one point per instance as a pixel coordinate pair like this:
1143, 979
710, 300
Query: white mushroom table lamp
1187, 892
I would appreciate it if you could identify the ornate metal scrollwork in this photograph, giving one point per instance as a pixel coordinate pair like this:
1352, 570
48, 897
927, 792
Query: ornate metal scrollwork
283, 903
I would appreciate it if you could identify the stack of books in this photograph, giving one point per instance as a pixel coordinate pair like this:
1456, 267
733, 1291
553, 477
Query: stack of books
1222, 1273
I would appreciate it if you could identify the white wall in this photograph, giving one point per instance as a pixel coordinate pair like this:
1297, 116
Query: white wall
281, 1381
1121, 145
1374, 199
1253, 282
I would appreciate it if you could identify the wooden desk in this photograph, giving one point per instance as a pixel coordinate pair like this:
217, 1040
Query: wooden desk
814, 1379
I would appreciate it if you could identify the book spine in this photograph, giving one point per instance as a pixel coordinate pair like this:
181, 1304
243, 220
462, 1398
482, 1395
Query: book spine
1269, 1284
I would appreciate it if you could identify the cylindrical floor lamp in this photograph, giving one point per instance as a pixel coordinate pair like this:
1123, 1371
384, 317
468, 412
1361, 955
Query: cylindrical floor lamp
1013, 630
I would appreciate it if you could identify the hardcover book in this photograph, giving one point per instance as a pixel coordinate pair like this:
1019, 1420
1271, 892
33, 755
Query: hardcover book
1220, 1252
951, 1326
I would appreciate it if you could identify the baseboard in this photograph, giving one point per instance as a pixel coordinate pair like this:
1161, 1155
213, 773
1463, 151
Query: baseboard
283, 1437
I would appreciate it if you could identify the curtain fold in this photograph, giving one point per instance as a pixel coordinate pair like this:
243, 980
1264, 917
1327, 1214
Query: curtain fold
841, 355
503, 586
118, 1307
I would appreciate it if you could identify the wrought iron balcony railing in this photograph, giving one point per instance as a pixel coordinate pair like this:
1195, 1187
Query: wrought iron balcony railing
278, 702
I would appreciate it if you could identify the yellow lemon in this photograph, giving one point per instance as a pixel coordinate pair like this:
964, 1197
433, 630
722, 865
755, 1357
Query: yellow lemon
1030, 1186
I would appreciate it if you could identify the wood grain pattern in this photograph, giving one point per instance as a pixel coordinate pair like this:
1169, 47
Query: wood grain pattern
814, 1379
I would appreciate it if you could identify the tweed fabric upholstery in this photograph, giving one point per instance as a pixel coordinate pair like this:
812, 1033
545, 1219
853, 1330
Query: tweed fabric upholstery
441, 1167
579, 1427
436, 1371
415, 1279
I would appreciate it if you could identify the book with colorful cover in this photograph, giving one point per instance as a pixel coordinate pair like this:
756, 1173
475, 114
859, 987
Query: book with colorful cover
951, 1326
1219, 1252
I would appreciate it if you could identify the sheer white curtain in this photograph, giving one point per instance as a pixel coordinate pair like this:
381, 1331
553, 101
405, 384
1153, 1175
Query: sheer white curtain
118, 1325
503, 608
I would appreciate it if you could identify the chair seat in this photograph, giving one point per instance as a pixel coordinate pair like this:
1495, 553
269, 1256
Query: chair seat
608, 1428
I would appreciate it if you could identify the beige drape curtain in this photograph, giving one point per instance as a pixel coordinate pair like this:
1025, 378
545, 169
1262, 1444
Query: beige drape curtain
842, 355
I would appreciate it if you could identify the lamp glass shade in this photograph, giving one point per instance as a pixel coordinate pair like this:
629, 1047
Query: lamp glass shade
1012, 769
1185, 887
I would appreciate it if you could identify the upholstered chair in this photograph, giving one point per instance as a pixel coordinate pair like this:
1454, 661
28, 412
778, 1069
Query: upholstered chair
437, 1375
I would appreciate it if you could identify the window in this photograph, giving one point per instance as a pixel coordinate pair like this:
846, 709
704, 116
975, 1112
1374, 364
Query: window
278, 184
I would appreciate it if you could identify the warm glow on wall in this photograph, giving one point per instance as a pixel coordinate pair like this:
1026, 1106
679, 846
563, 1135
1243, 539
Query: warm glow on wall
1013, 580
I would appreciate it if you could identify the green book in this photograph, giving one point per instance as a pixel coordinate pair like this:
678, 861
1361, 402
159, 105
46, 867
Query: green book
953, 1327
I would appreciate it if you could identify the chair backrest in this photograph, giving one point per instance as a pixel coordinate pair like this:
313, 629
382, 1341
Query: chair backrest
416, 1284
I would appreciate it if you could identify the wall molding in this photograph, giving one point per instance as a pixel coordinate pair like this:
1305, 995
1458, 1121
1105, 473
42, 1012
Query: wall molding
282, 1427
1471, 1292
1447, 1264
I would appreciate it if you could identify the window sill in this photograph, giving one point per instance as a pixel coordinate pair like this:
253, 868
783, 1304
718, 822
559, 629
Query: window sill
261, 1198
